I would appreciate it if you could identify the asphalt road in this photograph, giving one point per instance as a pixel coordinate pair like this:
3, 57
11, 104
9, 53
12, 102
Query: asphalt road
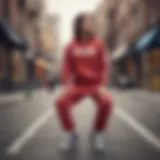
29, 129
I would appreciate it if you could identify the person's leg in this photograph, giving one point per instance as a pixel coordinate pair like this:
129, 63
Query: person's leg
64, 103
104, 106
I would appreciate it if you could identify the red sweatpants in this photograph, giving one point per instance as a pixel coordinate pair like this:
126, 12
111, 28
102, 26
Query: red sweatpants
74, 93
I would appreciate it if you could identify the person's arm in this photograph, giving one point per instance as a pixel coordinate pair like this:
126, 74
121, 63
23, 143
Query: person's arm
67, 67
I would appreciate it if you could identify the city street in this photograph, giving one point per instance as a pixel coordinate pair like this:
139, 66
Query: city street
29, 129
86, 42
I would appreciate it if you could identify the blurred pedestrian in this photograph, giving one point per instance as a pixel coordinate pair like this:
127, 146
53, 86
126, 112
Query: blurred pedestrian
84, 74
30, 72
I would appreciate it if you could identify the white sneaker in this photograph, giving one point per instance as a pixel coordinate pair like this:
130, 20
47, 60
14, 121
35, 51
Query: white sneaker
98, 142
69, 142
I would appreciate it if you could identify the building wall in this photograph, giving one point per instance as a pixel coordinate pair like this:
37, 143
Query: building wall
109, 10
49, 43
131, 18
1, 7
22, 15
153, 11
101, 23
29, 15
48, 33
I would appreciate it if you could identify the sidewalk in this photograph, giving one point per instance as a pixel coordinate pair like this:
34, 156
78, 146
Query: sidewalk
17, 96
146, 94
149, 97
138, 92
11, 97
146, 98
14, 97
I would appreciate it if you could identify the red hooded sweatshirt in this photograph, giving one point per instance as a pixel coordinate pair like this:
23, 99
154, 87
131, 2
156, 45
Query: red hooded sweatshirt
85, 63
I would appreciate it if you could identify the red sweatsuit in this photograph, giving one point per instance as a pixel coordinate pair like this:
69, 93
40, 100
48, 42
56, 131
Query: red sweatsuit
84, 71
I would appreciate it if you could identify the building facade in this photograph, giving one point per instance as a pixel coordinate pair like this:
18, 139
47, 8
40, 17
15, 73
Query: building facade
123, 23
132, 18
49, 45
22, 16
104, 19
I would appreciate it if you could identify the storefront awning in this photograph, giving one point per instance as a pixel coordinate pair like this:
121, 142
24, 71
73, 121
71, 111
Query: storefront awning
10, 38
120, 52
149, 40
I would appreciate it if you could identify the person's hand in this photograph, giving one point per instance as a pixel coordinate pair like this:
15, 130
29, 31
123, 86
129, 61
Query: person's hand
101, 89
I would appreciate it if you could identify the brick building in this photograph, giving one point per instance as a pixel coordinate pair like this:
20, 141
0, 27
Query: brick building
49, 44
22, 16
105, 18
126, 21
100, 18
130, 19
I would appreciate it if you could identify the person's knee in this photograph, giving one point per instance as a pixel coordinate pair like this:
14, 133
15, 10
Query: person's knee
60, 103
109, 101
106, 101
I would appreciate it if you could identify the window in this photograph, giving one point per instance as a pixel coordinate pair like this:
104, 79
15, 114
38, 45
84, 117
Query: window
111, 13
134, 11
6, 10
21, 4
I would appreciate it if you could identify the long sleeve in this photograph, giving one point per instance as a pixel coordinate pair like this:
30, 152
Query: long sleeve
66, 67
104, 62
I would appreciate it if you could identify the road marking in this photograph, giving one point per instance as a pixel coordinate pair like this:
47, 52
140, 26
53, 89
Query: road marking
139, 128
29, 133
19, 143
